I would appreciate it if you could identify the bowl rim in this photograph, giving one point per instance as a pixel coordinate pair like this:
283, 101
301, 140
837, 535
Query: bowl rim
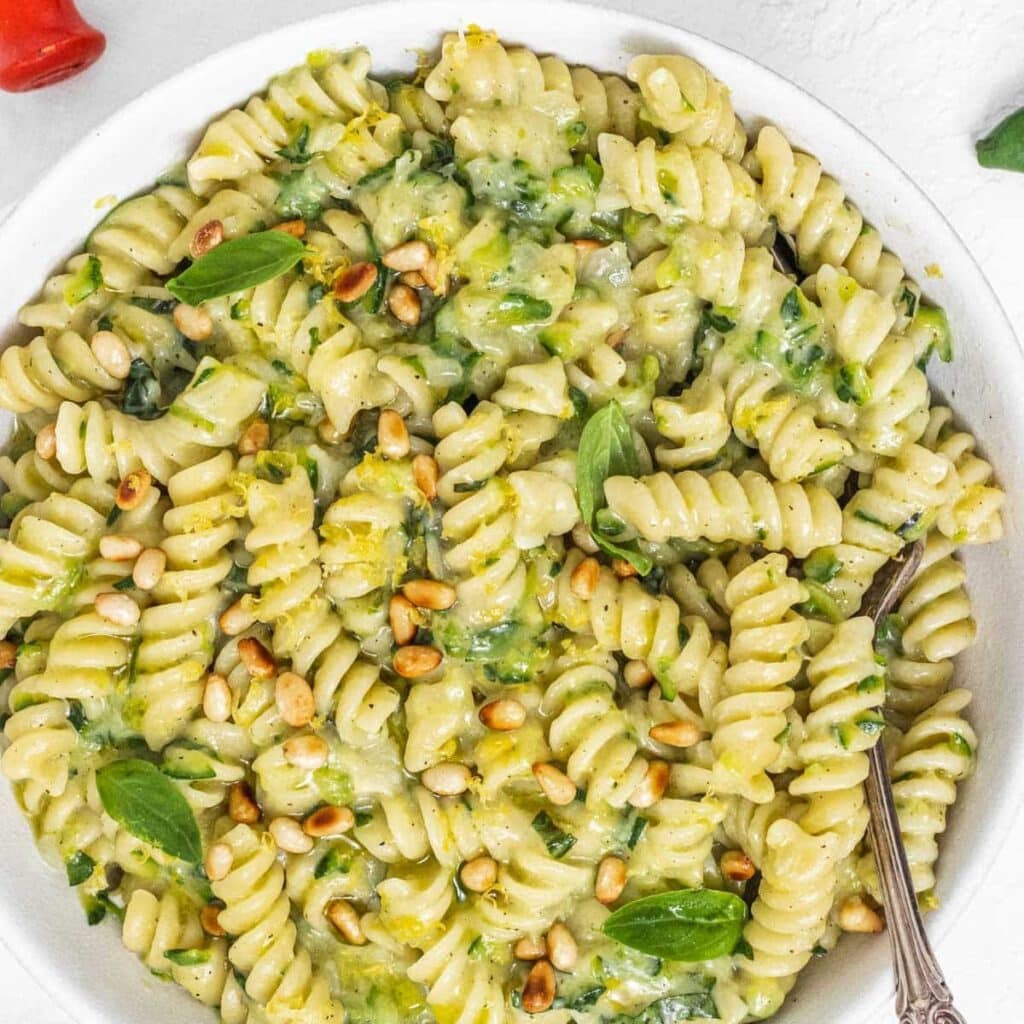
78, 998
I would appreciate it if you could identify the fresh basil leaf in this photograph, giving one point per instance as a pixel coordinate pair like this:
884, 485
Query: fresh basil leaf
139, 797
1003, 147
606, 449
237, 264
685, 924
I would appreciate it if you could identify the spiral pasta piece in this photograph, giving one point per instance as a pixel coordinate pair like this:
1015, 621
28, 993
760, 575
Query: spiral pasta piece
937, 752
677, 842
934, 624
789, 916
43, 557
177, 632
813, 208
683, 97
166, 934
623, 616
974, 514
320, 97
676, 183
844, 722
209, 414
279, 973
696, 422
749, 508
901, 502
764, 657
32, 478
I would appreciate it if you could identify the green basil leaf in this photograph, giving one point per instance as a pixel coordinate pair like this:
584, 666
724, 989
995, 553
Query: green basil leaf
686, 924
235, 265
139, 797
606, 449
1003, 147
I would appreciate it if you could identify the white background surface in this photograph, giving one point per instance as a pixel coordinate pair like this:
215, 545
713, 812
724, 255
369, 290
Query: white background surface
921, 77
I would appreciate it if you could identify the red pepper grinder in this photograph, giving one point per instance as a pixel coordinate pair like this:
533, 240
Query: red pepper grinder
44, 41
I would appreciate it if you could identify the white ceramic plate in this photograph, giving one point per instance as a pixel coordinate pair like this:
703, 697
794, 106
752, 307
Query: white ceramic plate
87, 970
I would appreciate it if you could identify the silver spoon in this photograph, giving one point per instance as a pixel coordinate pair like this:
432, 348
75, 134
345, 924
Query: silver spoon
922, 995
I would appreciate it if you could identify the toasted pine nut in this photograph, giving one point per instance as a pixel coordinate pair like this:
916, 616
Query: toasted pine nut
288, 835
255, 438
195, 323
133, 489
241, 805
294, 698
392, 435
209, 918
329, 821
431, 594
675, 734
111, 353
736, 866
8, 654
623, 569
236, 618
307, 752
447, 779
617, 337
407, 256
149, 568
46, 441
416, 660
653, 787
119, 609
528, 948
404, 304
557, 786
218, 861
426, 473
402, 618
479, 874
562, 951
610, 880
258, 661
295, 228
503, 715
217, 698
343, 916
583, 581
539, 990
354, 281
116, 547
413, 278
584, 246
436, 281
583, 539
637, 675
856, 916
207, 237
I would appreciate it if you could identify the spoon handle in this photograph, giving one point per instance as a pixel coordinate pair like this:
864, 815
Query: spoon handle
922, 995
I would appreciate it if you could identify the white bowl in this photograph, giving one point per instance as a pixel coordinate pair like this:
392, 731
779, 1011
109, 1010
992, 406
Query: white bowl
87, 970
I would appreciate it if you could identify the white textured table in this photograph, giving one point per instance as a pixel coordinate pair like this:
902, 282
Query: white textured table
920, 77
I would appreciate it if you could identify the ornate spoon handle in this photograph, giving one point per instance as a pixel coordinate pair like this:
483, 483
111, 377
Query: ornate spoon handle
922, 996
